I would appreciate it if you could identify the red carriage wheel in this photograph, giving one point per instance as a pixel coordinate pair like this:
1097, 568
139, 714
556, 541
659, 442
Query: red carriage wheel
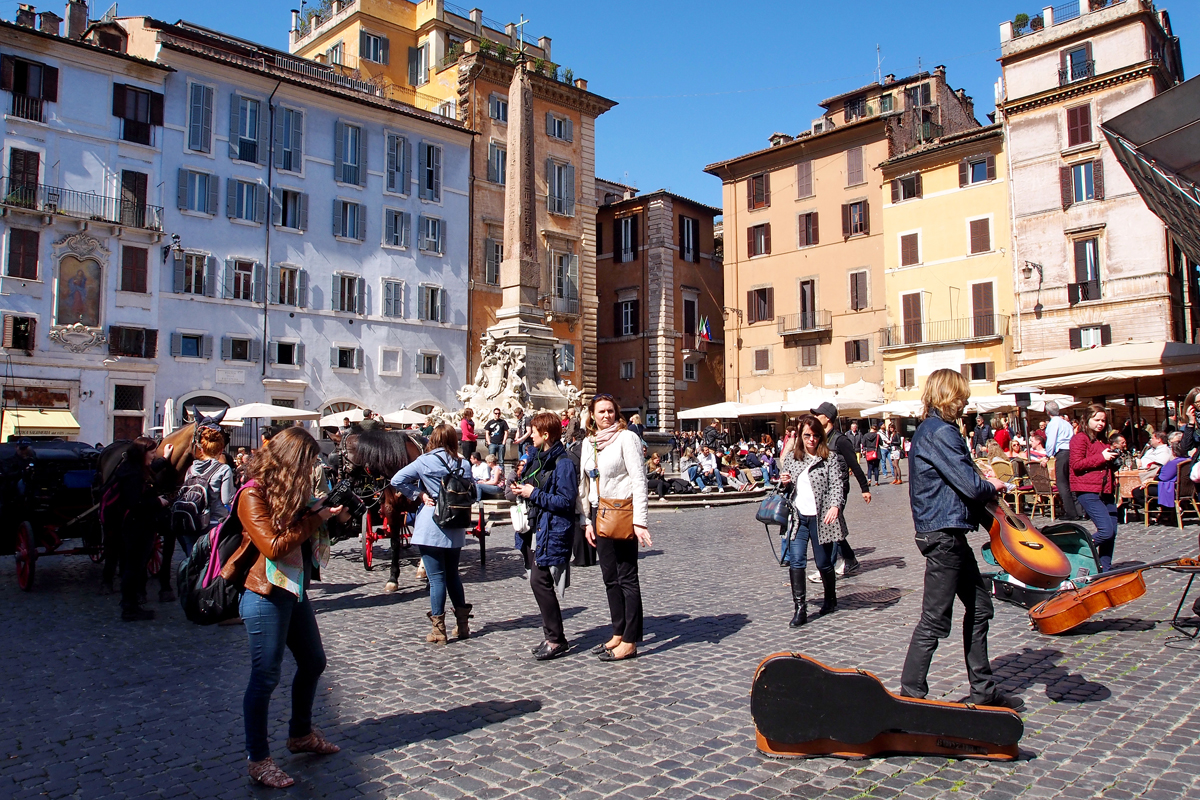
156, 557
97, 555
367, 539
26, 556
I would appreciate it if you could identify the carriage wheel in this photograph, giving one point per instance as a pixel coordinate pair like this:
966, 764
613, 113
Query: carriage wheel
97, 555
26, 556
367, 539
154, 564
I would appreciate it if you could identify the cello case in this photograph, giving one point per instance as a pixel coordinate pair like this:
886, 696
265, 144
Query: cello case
1075, 542
802, 708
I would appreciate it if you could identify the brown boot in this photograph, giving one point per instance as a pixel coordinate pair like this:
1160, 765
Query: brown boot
462, 630
438, 634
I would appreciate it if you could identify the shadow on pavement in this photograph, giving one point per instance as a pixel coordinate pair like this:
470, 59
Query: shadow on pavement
399, 730
670, 630
1022, 670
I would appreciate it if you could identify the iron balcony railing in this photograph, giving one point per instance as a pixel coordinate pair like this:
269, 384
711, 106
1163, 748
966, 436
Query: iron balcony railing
1078, 71
693, 343
804, 322
1065, 12
1083, 291
80, 205
980, 326
318, 19
326, 74
27, 107
564, 305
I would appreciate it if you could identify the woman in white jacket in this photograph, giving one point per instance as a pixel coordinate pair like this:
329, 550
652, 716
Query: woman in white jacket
612, 467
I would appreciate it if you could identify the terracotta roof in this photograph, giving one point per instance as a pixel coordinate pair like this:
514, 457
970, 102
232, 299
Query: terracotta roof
946, 142
648, 195
86, 45
920, 76
803, 138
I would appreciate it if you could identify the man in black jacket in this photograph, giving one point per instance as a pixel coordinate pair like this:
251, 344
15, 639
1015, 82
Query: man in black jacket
839, 442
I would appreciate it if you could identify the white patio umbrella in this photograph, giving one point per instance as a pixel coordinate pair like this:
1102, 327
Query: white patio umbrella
168, 416
726, 410
268, 411
405, 416
335, 420
896, 408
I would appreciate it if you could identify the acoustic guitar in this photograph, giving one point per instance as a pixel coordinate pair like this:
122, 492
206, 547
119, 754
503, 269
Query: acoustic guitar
1021, 549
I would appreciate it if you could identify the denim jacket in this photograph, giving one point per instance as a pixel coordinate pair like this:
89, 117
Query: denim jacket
944, 488
425, 475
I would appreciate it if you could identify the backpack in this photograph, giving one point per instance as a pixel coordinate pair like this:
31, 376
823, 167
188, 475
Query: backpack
680, 486
192, 510
205, 596
456, 495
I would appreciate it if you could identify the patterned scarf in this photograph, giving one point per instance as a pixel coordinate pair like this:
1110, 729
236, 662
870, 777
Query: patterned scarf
604, 438
288, 572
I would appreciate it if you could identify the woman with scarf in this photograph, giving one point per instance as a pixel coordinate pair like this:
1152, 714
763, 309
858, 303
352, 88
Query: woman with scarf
285, 525
1093, 480
551, 488
818, 501
612, 468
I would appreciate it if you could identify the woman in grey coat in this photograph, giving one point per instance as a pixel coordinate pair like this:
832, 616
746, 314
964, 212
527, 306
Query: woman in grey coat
817, 503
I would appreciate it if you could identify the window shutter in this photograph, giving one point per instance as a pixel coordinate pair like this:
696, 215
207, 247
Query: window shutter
750, 243
255, 350
1105, 335
965, 371
150, 344
235, 125
406, 229
854, 304
770, 303
866, 217
920, 189
1098, 179
990, 371
441, 364
849, 351
616, 319
226, 348
981, 239
767, 188
896, 190
362, 156
1081, 260
339, 146
361, 233
814, 237
361, 301
386, 51
751, 309
302, 288
423, 303
1075, 336
964, 173
633, 228
413, 56
156, 108
443, 309
298, 358
389, 226
263, 134
422, 170
180, 274
909, 250
227, 279
273, 353
358, 356
573, 279
637, 316
259, 282
750, 194
231, 189
304, 211
767, 238
8, 66
118, 103
549, 124
181, 196
273, 284
49, 83
213, 181
210, 277
846, 221
335, 292
333, 357
1065, 188
493, 173
393, 163
280, 132
991, 167
176, 344
276, 206
406, 168
297, 118
804, 178
436, 165
362, 45
569, 129
337, 217
569, 180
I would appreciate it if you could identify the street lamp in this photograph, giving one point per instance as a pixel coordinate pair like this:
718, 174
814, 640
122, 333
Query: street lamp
174, 247
1027, 271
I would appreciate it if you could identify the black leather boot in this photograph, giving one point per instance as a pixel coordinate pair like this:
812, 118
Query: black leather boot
829, 579
799, 598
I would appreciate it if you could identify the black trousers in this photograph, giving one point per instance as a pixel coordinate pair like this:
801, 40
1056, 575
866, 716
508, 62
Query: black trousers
1062, 479
136, 541
542, 584
619, 567
950, 571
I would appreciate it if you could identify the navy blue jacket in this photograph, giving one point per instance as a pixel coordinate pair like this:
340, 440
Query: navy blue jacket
945, 490
552, 505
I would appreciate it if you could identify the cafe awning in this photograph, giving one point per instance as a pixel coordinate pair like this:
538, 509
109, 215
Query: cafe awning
18, 422
726, 410
1110, 369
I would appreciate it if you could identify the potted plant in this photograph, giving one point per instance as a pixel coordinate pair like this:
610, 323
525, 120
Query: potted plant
538, 65
486, 45
1019, 23
568, 75
502, 51
1036, 23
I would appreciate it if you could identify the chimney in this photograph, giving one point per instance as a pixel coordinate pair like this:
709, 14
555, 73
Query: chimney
544, 44
49, 22
295, 20
888, 79
940, 71
77, 18
25, 15
777, 139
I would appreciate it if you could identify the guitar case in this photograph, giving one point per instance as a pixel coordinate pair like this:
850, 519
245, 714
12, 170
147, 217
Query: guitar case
1075, 542
802, 708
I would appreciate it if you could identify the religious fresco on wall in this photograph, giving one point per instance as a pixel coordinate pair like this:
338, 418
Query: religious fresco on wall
79, 287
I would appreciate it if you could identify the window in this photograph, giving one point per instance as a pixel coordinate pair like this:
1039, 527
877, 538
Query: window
336, 54
373, 48
854, 108
626, 318
979, 371
1077, 65
349, 221
190, 273
24, 168
564, 276
808, 305
396, 228
1090, 336
497, 163
429, 172
240, 281
348, 294
200, 110
243, 129
430, 364
910, 249
191, 345
1087, 271
418, 65
389, 361
31, 83
854, 166
447, 109
691, 317
133, 342
858, 351
906, 188
760, 305
689, 371
560, 181
908, 378
287, 353
758, 190
346, 357
139, 111
432, 234
498, 108
129, 398
977, 169
289, 139
1079, 125
291, 209
918, 95
565, 357
981, 235
689, 239
808, 355
804, 179
627, 370
762, 359
235, 348
808, 229
20, 333
493, 254
133, 198
1082, 182
1081, 179
561, 128
393, 298
432, 304
197, 191
855, 219
23, 254
398, 169
349, 161
983, 309
289, 285
859, 290
913, 317
133, 269
758, 240
625, 236
886, 103
243, 201
239, 349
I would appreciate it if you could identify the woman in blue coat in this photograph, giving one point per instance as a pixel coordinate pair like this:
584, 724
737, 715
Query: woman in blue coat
550, 487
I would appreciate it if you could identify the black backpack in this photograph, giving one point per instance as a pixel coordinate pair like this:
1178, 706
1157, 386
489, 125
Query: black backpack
205, 596
456, 495
192, 509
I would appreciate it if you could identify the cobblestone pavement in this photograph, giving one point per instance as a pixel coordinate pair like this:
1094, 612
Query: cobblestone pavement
95, 708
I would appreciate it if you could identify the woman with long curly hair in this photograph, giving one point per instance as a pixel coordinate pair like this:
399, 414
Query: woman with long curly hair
285, 524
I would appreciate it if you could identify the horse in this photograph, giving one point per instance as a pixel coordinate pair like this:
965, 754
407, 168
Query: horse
378, 455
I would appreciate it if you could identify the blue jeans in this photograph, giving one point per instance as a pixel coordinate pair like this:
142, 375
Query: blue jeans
441, 565
873, 470
1103, 514
885, 460
272, 623
487, 490
497, 450
806, 530
703, 480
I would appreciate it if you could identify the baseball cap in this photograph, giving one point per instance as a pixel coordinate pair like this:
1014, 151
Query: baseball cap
828, 410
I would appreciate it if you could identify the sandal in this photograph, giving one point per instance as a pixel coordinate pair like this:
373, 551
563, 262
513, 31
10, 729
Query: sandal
313, 743
268, 773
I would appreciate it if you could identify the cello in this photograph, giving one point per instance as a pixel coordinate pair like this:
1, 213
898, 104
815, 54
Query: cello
1021, 549
1072, 607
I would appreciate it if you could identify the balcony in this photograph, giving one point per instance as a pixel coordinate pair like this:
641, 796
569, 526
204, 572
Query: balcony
1083, 291
805, 323
27, 107
1077, 71
80, 205
694, 348
928, 130
563, 306
967, 329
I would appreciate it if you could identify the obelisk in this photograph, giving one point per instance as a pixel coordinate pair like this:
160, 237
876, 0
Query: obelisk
520, 322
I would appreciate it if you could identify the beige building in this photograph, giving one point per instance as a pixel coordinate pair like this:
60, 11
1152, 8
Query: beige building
804, 255
444, 58
1094, 265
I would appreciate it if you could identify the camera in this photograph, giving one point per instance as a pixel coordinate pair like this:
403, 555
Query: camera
593, 473
344, 495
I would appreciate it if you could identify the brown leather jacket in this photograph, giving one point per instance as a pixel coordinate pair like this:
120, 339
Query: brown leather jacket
260, 540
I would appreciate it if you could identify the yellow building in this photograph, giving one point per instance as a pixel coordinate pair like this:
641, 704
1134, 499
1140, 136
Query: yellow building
444, 58
948, 264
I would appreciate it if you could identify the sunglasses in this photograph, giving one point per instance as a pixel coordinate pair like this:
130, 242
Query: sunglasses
602, 396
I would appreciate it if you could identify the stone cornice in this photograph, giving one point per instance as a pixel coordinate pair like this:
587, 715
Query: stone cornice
1072, 90
473, 66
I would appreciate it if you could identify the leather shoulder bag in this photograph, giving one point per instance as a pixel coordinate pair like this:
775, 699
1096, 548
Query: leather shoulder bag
614, 518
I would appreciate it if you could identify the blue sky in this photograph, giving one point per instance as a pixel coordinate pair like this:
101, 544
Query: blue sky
698, 82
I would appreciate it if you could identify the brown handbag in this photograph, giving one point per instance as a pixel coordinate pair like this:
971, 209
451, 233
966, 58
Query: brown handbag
614, 518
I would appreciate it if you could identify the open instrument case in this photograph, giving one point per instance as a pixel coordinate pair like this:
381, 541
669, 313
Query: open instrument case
1074, 540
